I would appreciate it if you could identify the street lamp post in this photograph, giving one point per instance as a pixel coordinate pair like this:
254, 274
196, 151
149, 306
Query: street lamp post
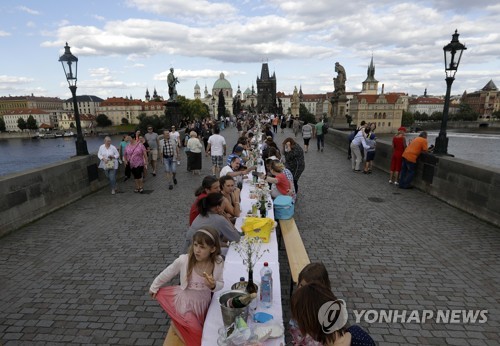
452, 55
67, 60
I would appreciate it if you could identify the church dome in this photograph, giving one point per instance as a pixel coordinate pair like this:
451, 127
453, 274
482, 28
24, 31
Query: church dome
196, 87
247, 92
222, 83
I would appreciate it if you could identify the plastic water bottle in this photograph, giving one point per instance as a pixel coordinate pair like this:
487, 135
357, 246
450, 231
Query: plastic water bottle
266, 286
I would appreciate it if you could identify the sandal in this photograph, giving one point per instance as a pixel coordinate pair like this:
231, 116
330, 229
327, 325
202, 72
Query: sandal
141, 190
136, 191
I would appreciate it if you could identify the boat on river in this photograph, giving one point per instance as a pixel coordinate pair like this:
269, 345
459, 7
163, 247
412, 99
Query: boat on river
69, 134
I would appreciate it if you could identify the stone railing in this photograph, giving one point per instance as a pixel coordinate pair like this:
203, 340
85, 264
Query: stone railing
30, 195
466, 185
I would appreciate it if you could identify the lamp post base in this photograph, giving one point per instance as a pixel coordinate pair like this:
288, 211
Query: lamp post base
81, 147
441, 146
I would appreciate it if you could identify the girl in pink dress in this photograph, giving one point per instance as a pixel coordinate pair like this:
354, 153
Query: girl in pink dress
200, 274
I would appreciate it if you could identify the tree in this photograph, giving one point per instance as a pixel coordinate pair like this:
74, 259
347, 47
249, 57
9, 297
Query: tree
465, 112
124, 121
221, 109
152, 120
437, 116
31, 123
103, 120
407, 119
305, 115
2, 125
197, 109
21, 123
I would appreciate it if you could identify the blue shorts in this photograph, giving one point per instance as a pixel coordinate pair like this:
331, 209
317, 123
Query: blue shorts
370, 155
169, 164
217, 161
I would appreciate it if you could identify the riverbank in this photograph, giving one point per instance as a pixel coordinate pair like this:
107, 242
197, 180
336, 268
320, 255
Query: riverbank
98, 131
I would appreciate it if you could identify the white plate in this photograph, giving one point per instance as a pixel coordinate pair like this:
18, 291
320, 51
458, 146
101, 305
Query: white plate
276, 330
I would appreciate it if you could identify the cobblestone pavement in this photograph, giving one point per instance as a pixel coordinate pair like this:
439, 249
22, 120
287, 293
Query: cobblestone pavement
81, 274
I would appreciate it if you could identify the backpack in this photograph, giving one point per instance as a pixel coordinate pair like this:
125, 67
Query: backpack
324, 128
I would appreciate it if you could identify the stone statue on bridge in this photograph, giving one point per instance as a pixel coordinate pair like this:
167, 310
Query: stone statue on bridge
339, 81
172, 81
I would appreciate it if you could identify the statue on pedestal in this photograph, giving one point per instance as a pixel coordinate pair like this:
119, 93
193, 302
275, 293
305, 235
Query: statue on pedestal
339, 82
295, 103
172, 81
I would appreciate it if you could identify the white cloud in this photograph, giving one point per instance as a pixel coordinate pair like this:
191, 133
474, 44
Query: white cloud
14, 80
63, 22
31, 24
200, 9
98, 17
197, 74
4, 33
28, 10
406, 39
99, 72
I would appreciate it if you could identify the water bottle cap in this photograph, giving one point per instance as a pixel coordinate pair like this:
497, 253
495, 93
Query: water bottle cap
266, 264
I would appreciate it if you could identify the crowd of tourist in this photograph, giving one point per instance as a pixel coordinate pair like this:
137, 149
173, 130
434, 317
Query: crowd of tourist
215, 207
362, 149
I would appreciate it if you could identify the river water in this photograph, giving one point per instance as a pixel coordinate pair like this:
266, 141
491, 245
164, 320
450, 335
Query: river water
17, 155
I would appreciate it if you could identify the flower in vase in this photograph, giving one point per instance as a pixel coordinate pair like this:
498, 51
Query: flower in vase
250, 250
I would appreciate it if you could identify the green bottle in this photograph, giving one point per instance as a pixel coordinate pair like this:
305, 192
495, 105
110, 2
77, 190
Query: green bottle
240, 301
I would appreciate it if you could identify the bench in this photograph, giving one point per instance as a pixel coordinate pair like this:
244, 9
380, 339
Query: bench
295, 250
172, 339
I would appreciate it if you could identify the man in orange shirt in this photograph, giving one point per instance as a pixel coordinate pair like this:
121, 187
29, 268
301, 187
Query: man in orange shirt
410, 156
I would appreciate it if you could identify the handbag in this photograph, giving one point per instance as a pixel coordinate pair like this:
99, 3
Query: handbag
110, 164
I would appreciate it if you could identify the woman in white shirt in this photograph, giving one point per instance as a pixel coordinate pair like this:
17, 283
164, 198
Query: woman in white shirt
194, 146
108, 154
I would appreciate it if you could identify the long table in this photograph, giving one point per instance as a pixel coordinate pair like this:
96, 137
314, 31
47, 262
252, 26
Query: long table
234, 269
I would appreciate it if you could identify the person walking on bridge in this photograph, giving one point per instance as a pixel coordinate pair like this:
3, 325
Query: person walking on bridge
136, 156
170, 153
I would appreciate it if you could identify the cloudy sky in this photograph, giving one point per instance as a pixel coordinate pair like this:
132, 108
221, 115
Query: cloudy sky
126, 46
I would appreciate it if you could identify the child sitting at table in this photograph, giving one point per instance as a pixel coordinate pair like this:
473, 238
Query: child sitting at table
313, 272
200, 275
307, 303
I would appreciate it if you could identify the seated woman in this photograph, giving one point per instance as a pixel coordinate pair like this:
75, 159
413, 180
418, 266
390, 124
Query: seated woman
209, 184
231, 194
306, 304
210, 209
281, 184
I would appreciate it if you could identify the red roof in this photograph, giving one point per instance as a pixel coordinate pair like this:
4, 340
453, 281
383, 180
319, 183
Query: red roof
427, 100
120, 101
83, 117
390, 97
45, 126
26, 111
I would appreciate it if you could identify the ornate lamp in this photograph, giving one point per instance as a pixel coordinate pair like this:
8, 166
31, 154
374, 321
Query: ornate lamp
69, 63
452, 55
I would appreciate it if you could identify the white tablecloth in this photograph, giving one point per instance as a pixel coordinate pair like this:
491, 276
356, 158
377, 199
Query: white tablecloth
234, 269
